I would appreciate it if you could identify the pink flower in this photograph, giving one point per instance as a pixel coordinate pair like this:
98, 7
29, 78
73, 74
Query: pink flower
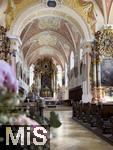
1, 78
8, 77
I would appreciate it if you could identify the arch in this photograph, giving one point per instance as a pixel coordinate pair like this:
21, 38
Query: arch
56, 58
36, 37
43, 51
59, 75
62, 53
38, 11
72, 61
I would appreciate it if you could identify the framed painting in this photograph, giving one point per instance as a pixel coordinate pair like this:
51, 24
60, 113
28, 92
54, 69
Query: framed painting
107, 72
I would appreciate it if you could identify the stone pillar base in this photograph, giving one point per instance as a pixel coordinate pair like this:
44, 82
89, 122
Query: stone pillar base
98, 94
86, 98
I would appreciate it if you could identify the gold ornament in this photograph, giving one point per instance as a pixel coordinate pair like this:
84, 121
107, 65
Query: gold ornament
5, 53
10, 11
104, 42
84, 8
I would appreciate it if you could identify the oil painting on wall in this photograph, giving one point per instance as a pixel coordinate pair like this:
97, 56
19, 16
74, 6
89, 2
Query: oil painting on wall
107, 72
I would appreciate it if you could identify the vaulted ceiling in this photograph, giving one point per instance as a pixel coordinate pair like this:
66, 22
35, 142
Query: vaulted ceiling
54, 36
49, 36
106, 7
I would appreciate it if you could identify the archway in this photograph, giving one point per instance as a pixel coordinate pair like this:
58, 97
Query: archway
50, 32
38, 11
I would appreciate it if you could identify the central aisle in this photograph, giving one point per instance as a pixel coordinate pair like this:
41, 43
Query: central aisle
73, 136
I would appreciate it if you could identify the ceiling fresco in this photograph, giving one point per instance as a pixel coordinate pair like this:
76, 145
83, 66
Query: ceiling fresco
105, 7
52, 35
84, 8
48, 31
57, 24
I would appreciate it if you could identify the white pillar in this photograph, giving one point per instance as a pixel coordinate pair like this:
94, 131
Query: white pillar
87, 96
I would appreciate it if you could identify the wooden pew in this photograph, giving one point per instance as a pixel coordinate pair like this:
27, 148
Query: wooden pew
85, 112
106, 115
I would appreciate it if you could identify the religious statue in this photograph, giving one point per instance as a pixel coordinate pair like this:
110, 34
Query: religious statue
86, 8
10, 11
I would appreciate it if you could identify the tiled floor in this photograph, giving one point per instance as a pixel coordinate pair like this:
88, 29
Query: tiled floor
73, 136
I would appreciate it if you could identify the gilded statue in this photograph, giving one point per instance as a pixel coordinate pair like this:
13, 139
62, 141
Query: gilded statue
34, 87
10, 11
86, 8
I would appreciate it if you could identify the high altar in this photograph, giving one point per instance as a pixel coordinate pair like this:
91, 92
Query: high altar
45, 77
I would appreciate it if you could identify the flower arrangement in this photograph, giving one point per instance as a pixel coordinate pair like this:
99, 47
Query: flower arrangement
9, 98
8, 90
7, 77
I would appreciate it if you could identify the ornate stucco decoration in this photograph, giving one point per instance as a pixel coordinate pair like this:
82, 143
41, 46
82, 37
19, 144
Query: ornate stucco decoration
5, 42
14, 7
49, 22
10, 11
48, 39
34, 87
45, 70
44, 66
104, 42
58, 2
84, 8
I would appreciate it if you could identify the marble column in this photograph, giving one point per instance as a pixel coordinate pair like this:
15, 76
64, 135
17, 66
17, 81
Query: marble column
94, 70
94, 76
98, 71
55, 85
99, 87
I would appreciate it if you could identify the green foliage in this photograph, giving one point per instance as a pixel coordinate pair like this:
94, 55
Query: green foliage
54, 120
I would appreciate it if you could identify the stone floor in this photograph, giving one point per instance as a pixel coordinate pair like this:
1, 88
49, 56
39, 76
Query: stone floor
73, 136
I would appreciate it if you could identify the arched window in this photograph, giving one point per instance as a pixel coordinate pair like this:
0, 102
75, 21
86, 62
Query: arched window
31, 74
81, 53
66, 76
59, 75
72, 60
